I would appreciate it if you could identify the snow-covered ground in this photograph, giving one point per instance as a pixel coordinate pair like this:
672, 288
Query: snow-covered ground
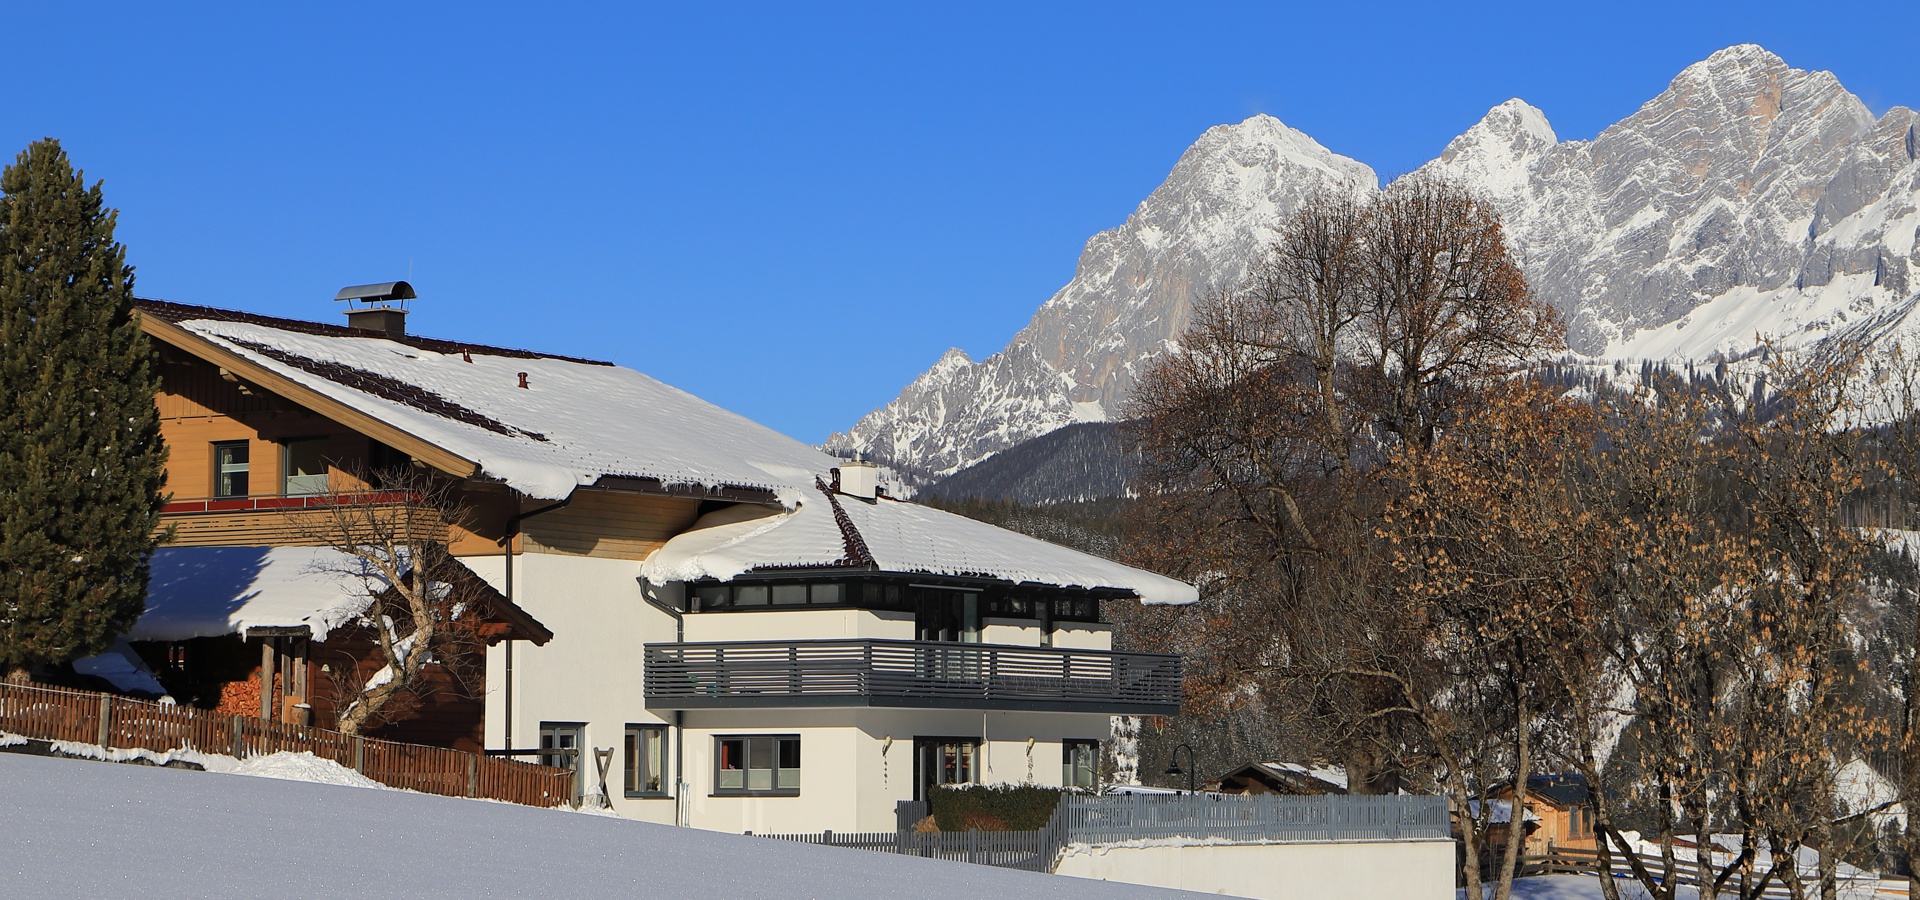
1574, 887
76, 828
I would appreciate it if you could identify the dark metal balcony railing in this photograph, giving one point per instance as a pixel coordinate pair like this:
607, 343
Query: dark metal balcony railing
747, 674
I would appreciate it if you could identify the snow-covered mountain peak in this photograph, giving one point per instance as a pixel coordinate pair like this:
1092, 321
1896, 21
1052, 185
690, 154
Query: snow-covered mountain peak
1516, 120
1748, 198
1737, 58
1262, 140
954, 358
1498, 152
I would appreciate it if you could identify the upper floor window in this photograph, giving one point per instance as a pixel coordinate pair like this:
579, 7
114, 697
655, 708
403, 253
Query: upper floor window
306, 467
230, 469
891, 595
383, 462
708, 597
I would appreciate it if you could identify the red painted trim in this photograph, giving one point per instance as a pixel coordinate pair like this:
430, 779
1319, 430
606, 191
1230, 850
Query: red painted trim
276, 502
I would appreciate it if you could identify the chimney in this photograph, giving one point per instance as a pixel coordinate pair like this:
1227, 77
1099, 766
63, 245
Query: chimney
859, 479
382, 307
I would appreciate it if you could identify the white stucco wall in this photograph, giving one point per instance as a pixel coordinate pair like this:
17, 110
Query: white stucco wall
1083, 635
590, 672
856, 763
1024, 632
1411, 870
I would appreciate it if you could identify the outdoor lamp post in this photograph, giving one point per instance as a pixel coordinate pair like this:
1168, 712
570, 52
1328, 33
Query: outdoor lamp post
1173, 764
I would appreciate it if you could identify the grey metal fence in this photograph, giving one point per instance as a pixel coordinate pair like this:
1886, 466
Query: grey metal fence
1117, 818
1033, 851
1255, 818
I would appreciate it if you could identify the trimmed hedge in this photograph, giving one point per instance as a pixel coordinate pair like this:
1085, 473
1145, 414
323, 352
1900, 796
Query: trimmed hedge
997, 807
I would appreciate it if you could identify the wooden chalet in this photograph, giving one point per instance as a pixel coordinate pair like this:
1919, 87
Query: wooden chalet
1563, 807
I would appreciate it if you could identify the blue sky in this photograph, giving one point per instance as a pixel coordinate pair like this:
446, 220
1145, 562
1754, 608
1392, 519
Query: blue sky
788, 210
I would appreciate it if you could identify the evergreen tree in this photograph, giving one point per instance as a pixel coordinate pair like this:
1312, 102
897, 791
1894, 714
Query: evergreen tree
81, 461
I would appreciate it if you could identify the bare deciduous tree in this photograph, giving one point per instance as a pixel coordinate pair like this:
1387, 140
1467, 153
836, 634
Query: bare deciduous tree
422, 614
1373, 326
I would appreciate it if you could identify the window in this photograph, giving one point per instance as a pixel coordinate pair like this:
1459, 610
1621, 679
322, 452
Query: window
306, 467
646, 760
1007, 606
757, 764
230, 469
761, 594
1078, 609
564, 739
384, 462
1079, 764
943, 760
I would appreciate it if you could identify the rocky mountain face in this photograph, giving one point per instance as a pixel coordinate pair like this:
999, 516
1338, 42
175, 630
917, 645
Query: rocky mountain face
1748, 199
1129, 299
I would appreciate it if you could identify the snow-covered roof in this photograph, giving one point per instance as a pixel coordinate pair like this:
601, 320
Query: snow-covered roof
831, 530
575, 422
1334, 775
578, 421
1500, 812
212, 591
121, 667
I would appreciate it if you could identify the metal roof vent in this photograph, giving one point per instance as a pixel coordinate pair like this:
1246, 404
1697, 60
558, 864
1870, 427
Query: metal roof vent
379, 312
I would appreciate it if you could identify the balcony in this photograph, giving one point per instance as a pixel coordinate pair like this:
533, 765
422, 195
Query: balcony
281, 520
911, 674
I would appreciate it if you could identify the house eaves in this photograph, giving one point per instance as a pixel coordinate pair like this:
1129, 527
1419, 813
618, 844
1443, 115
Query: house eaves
199, 347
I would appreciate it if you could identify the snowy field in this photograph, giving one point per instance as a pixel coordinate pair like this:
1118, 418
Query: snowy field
77, 828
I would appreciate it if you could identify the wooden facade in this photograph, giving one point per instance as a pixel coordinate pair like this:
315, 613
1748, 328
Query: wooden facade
203, 405
611, 524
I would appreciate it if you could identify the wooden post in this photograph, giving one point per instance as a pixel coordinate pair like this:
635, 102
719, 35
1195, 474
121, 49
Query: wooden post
266, 678
299, 662
239, 746
106, 719
473, 774
359, 754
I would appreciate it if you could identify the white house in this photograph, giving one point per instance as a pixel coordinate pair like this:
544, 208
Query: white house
748, 633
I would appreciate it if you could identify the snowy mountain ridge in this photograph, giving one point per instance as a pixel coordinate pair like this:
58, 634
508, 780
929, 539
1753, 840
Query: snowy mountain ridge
1748, 198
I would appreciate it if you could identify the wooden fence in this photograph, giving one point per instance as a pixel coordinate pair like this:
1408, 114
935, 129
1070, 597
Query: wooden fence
85, 717
1562, 861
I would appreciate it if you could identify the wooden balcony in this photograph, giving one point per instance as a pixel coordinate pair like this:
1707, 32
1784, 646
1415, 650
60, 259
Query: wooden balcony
912, 674
282, 521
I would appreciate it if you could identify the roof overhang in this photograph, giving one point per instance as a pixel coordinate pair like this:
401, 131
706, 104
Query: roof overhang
656, 487
207, 351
